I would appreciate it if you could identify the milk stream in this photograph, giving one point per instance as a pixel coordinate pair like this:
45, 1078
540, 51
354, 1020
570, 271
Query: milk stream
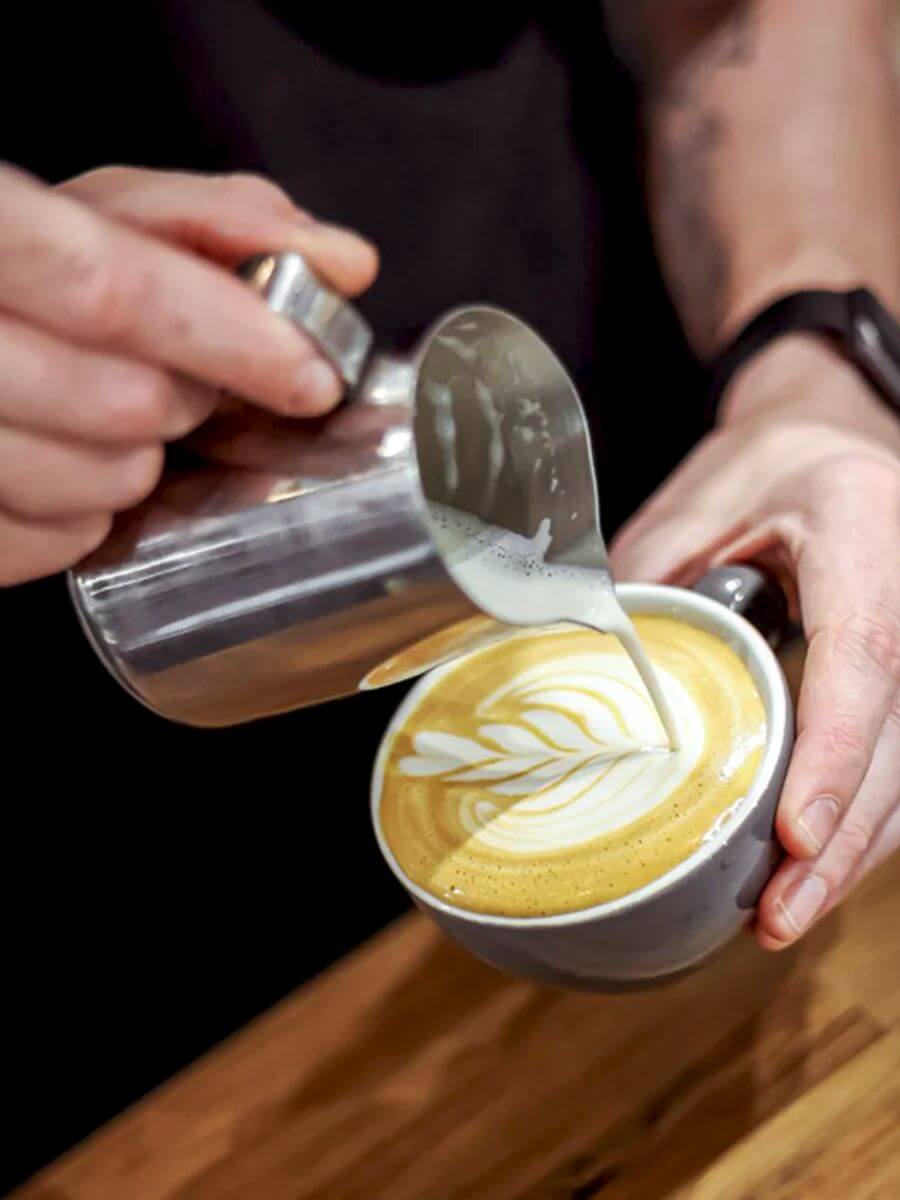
626, 633
509, 577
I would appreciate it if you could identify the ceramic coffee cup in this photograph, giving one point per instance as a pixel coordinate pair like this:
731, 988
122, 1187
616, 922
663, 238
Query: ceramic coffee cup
678, 920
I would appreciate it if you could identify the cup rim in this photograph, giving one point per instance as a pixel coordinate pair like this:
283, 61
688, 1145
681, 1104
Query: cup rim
662, 600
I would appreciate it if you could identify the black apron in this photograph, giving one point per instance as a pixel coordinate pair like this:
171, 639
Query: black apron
173, 882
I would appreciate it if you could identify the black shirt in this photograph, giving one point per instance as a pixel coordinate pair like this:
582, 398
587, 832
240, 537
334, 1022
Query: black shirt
492, 152
168, 883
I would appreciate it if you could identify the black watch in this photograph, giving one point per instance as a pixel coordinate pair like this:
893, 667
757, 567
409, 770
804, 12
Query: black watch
856, 323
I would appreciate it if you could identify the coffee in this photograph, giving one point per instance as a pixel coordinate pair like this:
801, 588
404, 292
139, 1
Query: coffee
533, 777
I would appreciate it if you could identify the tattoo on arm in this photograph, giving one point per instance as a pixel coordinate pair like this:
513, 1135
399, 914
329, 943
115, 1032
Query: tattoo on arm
660, 40
676, 47
695, 256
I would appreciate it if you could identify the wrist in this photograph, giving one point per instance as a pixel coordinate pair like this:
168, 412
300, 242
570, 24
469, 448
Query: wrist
802, 376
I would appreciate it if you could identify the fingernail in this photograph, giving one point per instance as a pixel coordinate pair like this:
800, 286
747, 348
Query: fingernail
318, 385
800, 903
818, 821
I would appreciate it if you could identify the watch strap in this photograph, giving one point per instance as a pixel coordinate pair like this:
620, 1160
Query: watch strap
815, 311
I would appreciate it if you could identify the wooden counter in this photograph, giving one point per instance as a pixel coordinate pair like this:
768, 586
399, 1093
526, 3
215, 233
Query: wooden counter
412, 1072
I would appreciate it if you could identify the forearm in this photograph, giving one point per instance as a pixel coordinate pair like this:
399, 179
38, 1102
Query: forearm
773, 150
774, 166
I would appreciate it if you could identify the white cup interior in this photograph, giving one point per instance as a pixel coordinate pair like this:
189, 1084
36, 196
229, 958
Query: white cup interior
636, 598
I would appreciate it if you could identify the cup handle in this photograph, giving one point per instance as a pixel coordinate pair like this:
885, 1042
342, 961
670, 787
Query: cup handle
290, 287
747, 590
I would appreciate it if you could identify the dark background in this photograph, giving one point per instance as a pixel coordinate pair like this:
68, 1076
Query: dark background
162, 885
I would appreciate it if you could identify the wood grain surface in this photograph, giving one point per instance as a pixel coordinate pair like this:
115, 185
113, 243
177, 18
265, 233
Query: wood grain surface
412, 1072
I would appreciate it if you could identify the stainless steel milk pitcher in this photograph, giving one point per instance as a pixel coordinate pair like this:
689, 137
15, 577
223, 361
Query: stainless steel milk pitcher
234, 593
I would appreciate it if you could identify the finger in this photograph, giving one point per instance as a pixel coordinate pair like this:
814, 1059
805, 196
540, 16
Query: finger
227, 217
31, 551
49, 385
698, 510
94, 281
885, 843
849, 583
45, 480
871, 807
676, 550
774, 933
794, 899
802, 892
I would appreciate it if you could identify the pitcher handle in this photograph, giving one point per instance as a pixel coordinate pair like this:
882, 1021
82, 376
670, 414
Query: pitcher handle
290, 287
755, 595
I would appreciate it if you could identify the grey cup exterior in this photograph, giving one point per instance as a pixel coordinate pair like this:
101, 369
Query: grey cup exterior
663, 936
670, 925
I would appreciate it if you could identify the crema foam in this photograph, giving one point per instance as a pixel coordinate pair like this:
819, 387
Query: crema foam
534, 776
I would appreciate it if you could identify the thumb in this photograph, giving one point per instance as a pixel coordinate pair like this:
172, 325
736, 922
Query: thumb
675, 549
226, 218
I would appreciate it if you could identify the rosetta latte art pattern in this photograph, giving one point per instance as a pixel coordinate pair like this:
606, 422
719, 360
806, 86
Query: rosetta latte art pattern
534, 776
583, 755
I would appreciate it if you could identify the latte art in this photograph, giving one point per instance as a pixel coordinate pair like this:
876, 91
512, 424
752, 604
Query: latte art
581, 748
534, 776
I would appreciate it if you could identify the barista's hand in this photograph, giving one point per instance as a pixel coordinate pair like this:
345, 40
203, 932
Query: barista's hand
119, 325
803, 476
